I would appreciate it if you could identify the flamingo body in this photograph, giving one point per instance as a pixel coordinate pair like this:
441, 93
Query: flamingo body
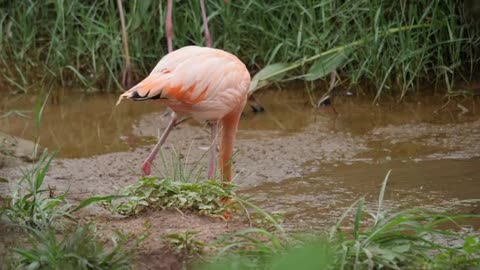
202, 82
205, 83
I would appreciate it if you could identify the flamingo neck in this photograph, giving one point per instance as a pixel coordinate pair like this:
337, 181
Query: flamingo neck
229, 130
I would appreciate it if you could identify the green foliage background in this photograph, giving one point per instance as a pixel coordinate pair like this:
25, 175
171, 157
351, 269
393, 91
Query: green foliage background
79, 42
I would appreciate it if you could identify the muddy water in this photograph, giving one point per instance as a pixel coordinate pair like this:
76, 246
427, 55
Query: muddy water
316, 200
307, 163
84, 125
81, 125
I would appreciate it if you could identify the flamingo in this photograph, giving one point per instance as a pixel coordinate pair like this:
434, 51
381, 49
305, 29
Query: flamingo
205, 83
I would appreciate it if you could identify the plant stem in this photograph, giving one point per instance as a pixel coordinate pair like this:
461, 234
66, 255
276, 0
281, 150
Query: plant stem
126, 76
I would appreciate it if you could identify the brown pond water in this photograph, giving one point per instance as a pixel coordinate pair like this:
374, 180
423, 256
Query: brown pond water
308, 163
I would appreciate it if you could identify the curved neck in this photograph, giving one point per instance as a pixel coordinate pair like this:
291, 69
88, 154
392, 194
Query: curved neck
229, 130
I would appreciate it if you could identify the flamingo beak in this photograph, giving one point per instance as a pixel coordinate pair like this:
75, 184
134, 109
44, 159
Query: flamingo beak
119, 99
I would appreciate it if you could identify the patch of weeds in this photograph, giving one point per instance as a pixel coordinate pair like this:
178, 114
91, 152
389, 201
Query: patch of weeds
185, 243
252, 246
52, 242
408, 239
405, 239
153, 192
80, 248
464, 255
30, 204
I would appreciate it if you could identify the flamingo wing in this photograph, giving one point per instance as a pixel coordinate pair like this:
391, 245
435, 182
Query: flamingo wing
192, 75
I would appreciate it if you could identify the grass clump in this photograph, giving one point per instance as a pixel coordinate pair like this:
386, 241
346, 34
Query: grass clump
153, 192
32, 205
185, 243
55, 239
409, 239
78, 248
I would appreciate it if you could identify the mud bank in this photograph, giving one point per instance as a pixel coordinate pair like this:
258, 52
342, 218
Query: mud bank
307, 163
266, 157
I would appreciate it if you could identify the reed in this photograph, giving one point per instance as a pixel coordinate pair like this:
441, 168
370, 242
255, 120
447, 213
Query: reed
80, 42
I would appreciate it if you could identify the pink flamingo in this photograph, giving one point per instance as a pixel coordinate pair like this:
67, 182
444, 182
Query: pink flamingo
205, 83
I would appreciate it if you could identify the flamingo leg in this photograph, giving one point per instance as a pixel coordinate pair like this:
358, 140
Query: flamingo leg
213, 155
208, 38
169, 25
147, 164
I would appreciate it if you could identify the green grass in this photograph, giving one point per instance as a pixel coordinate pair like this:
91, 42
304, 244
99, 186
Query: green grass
385, 239
31, 204
55, 237
185, 243
79, 42
80, 247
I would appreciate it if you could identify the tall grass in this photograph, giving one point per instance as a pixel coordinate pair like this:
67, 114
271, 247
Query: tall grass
80, 42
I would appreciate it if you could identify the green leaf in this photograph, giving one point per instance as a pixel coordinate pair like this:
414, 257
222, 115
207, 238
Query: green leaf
143, 202
25, 253
3, 180
326, 64
401, 249
46, 166
381, 196
271, 73
358, 218
91, 200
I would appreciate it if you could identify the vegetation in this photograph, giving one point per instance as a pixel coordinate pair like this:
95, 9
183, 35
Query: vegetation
185, 243
409, 239
394, 46
152, 192
78, 248
179, 186
43, 216
385, 239
32, 205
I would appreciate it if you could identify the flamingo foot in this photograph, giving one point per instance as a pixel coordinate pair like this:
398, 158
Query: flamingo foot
146, 169
227, 215
227, 201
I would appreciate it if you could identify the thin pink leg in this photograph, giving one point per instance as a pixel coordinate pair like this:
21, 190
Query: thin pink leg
213, 155
169, 25
147, 164
208, 38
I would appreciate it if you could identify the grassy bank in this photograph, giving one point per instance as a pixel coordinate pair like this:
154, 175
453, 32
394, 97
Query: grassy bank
50, 234
79, 42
